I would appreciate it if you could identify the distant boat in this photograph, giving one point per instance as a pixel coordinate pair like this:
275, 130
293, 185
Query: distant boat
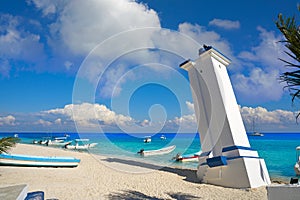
37, 161
44, 140
165, 150
35, 142
255, 133
16, 135
188, 158
58, 141
50, 141
78, 146
147, 139
163, 137
297, 165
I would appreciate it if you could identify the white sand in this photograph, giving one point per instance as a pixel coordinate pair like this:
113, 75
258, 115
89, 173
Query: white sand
94, 179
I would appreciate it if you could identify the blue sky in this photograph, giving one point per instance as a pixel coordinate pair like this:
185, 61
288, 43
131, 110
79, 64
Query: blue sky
112, 65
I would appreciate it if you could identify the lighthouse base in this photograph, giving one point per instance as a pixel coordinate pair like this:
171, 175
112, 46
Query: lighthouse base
237, 172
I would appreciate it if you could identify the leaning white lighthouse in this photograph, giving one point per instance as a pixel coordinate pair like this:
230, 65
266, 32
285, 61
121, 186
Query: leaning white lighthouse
227, 158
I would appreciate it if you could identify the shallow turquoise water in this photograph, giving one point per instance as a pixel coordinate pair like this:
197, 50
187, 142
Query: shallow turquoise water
278, 150
279, 153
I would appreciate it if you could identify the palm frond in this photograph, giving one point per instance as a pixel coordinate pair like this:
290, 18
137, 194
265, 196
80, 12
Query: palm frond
290, 30
7, 142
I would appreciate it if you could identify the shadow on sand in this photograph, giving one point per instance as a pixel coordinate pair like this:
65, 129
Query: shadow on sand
189, 174
134, 195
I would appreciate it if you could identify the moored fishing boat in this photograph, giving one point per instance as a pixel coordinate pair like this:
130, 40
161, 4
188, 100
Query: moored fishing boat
254, 132
147, 139
57, 143
82, 146
44, 140
161, 151
37, 161
188, 158
59, 139
163, 137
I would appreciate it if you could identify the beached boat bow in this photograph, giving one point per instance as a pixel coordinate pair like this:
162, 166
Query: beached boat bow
37, 161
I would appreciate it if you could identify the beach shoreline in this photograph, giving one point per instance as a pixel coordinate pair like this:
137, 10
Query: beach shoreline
98, 177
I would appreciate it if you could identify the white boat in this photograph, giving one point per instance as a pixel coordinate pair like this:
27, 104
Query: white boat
35, 142
188, 158
57, 143
59, 139
163, 137
297, 164
44, 140
78, 146
147, 139
165, 150
37, 161
255, 133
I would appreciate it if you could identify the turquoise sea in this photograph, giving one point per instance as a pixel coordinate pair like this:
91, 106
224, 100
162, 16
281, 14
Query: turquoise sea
278, 149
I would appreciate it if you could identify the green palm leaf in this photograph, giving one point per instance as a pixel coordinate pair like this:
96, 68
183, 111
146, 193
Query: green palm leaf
291, 31
7, 142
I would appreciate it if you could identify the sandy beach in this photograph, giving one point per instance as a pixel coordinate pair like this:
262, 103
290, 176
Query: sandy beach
103, 178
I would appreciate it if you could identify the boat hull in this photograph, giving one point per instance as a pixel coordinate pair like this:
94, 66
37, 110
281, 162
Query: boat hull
81, 147
158, 151
188, 159
58, 144
37, 161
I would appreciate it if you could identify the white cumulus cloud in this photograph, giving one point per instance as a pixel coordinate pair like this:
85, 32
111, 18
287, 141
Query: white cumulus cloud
17, 43
190, 106
80, 31
8, 120
91, 115
263, 116
261, 83
267, 51
224, 23
275, 119
76, 32
258, 86
43, 122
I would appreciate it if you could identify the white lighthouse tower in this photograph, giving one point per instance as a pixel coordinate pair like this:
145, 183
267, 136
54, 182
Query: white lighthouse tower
227, 158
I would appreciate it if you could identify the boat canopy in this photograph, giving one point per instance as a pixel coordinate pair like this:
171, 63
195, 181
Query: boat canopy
60, 138
82, 140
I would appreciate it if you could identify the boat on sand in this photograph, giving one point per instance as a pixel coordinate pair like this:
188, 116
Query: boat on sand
37, 161
161, 151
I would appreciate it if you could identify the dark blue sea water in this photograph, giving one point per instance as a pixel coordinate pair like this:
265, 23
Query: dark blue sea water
278, 149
